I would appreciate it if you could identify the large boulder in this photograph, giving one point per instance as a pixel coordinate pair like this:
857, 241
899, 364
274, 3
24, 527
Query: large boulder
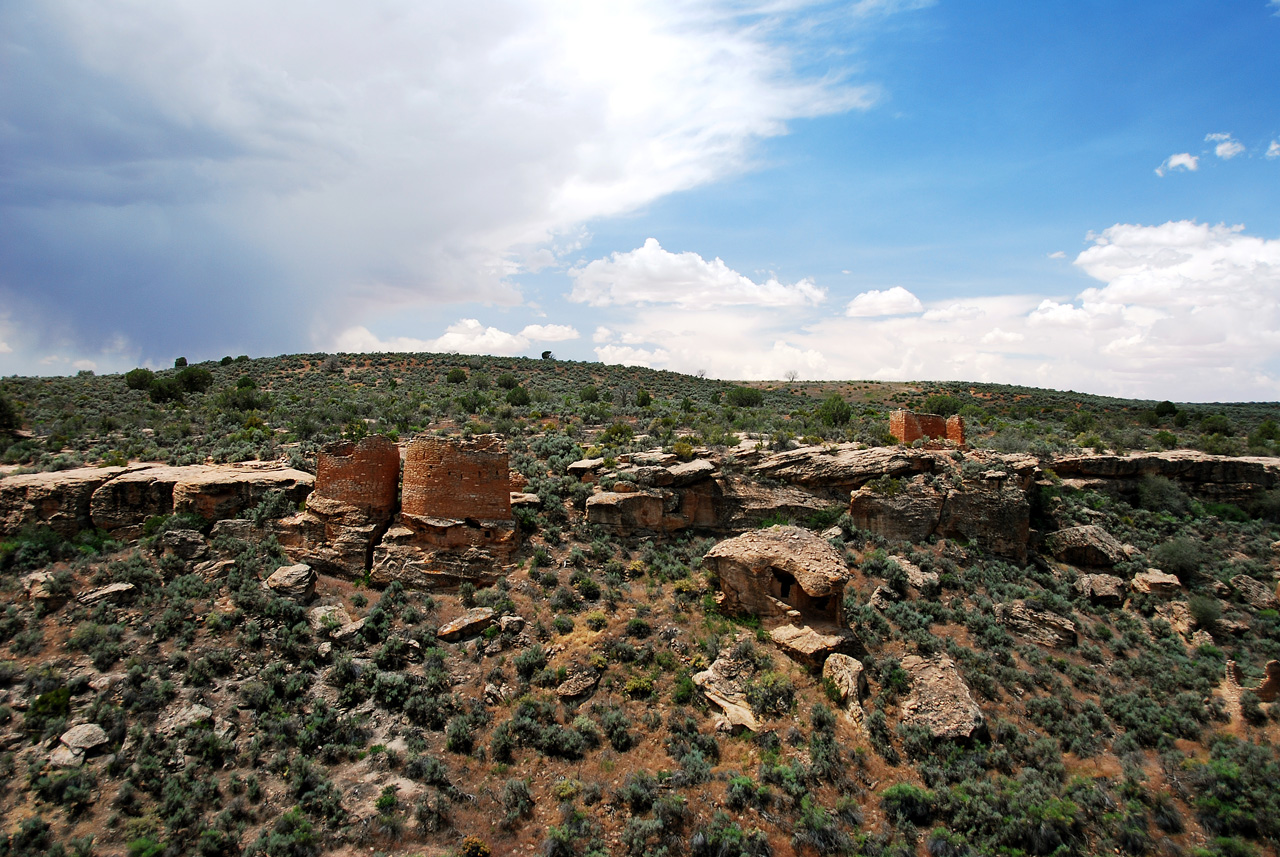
1037, 624
735, 503
991, 511
939, 701
84, 738
331, 535
295, 582
626, 513
1155, 582
780, 574
847, 675
1089, 546
811, 646
1102, 588
442, 553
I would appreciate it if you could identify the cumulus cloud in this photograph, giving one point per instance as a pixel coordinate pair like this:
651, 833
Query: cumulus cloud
466, 336
1273, 151
893, 301
1228, 147
279, 167
1184, 161
652, 275
626, 355
1181, 310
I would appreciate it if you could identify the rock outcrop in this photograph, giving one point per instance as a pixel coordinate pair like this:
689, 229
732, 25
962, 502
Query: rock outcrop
939, 701
1254, 592
60, 500
782, 575
991, 510
1037, 624
1089, 546
839, 469
1211, 477
724, 684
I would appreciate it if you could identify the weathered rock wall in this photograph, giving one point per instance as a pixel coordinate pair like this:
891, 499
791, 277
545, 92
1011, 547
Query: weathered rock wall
448, 478
119, 499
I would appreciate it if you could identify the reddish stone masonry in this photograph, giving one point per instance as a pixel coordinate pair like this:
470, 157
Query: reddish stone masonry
364, 475
908, 427
448, 478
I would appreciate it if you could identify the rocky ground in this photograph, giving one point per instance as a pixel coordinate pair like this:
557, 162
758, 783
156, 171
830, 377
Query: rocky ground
1033, 656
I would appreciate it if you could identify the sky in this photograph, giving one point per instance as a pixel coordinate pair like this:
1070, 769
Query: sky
1073, 194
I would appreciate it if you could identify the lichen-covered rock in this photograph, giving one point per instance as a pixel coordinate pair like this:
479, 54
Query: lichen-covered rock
1102, 588
469, 624
84, 738
327, 619
1036, 624
295, 582
580, 682
923, 582
906, 511
1088, 545
939, 701
1155, 582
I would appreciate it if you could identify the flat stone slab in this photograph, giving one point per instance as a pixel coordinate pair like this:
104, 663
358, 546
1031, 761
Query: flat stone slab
113, 593
84, 737
580, 682
469, 624
810, 645
1153, 581
295, 582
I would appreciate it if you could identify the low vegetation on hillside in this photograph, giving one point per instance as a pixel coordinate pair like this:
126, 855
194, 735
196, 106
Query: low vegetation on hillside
238, 722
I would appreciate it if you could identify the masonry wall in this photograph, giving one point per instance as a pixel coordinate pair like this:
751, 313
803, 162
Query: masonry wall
453, 478
365, 474
909, 427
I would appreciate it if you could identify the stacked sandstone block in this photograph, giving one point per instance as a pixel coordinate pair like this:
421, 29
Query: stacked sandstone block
908, 427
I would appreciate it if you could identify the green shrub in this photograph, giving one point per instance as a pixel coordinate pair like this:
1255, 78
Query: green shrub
744, 397
139, 379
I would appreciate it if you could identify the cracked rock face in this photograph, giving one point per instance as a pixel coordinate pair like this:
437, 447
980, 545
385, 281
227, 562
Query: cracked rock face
1037, 625
940, 701
1089, 546
993, 513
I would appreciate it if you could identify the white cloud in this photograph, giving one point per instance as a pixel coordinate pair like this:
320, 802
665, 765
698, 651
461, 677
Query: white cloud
1057, 254
996, 336
549, 332
5, 348
466, 336
1273, 151
892, 301
602, 335
356, 157
1183, 161
625, 355
1228, 147
1180, 310
951, 313
652, 275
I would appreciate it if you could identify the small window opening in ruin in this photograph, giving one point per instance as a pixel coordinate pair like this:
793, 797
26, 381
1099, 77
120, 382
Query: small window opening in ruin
785, 582
821, 603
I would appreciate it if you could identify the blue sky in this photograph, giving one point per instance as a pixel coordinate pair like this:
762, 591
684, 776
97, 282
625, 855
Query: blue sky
1068, 194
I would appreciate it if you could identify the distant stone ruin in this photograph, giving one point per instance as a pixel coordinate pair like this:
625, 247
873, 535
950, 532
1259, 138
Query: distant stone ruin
908, 427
